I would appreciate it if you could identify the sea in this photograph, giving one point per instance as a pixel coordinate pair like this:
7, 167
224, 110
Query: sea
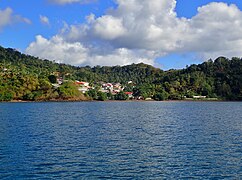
121, 140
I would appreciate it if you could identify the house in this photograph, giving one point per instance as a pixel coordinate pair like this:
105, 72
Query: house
59, 81
117, 87
199, 97
82, 83
130, 94
83, 86
83, 89
106, 87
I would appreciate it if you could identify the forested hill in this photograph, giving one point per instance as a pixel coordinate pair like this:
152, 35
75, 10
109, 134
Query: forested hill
28, 78
139, 73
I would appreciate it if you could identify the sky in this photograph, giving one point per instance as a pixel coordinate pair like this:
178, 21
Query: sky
168, 34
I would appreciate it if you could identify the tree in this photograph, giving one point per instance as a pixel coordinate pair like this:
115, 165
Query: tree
206, 89
5, 95
224, 91
92, 93
110, 96
102, 96
44, 85
52, 79
121, 96
161, 96
68, 90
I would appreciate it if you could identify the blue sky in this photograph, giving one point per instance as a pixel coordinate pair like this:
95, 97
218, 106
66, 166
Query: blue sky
188, 8
164, 33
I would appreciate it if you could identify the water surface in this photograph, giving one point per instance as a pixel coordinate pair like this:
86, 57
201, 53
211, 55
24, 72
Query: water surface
121, 140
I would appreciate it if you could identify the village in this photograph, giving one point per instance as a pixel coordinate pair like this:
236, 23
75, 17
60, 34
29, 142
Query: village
111, 88
116, 88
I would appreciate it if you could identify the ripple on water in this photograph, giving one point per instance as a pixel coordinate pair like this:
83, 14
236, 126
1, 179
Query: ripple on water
121, 140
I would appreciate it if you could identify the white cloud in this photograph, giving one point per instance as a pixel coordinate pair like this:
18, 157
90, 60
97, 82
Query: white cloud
136, 31
44, 20
77, 54
57, 49
62, 2
216, 30
7, 18
108, 27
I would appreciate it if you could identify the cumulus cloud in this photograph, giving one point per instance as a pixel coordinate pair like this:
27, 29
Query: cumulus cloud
136, 31
62, 2
58, 49
109, 28
44, 20
8, 17
215, 31
77, 54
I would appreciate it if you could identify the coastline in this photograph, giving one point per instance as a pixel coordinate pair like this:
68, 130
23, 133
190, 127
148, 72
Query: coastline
59, 100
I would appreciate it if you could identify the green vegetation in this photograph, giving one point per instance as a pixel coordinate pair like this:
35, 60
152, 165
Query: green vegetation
24, 77
121, 96
97, 95
68, 90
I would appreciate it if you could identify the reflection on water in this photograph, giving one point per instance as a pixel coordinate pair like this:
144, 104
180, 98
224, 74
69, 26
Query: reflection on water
141, 140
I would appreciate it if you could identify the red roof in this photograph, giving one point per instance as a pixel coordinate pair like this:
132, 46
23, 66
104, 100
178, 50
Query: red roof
80, 82
129, 93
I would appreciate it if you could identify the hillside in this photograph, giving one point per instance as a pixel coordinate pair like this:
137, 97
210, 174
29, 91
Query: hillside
25, 77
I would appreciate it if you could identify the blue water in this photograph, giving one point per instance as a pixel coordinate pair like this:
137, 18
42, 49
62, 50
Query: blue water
121, 140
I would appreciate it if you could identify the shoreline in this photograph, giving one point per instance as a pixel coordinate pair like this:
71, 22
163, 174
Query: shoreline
185, 100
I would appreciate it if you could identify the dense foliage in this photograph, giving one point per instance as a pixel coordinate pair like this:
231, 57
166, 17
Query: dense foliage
24, 77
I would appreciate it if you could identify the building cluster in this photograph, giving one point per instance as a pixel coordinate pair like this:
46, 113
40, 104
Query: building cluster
112, 88
83, 86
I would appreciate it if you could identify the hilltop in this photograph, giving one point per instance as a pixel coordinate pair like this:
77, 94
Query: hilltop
24, 77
